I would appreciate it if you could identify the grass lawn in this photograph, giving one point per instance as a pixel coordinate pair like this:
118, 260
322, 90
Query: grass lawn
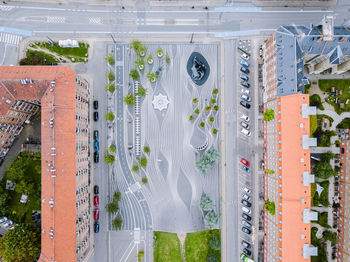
49, 58
323, 219
339, 84
313, 124
197, 245
345, 123
320, 117
315, 100
322, 253
306, 88
166, 247
79, 53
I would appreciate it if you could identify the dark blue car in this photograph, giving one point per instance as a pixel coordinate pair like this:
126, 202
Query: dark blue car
96, 227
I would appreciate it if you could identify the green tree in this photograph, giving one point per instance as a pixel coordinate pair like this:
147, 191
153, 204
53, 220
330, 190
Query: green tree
270, 207
215, 91
136, 45
110, 87
141, 91
214, 131
146, 149
4, 201
152, 77
129, 99
149, 59
109, 159
205, 163
211, 258
269, 171
269, 114
21, 244
202, 124
326, 157
134, 74
195, 100
191, 118
112, 207
110, 116
216, 108
213, 101
206, 203
212, 219
214, 243
140, 64
110, 76
110, 59
167, 60
207, 108
143, 162
331, 236
25, 187
112, 149
323, 170
117, 196
160, 52
197, 111
135, 168
211, 119
117, 223
140, 255
144, 180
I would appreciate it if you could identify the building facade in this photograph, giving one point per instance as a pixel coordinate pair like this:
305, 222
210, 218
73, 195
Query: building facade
64, 101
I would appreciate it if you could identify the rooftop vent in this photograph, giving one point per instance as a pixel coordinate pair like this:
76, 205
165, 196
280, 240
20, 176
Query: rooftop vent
8, 101
23, 81
51, 202
53, 148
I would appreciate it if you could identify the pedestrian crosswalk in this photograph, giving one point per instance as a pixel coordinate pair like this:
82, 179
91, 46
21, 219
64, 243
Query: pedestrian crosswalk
6, 8
95, 20
56, 19
10, 38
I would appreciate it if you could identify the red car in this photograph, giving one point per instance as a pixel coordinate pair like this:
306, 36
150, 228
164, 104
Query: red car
245, 162
96, 214
96, 201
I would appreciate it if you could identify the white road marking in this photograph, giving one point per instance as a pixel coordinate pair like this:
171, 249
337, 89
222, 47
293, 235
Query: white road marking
6, 8
10, 38
56, 19
95, 20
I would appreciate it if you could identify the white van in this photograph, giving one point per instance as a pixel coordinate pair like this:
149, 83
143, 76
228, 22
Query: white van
245, 132
246, 210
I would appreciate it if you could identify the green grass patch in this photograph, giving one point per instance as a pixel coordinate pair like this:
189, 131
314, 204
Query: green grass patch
323, 219
320, 117
340, 84
345, 123
34, 57
166, 247
313, 124
197, 245
306, 88
315, 100
322, 254
77, 52
323, 198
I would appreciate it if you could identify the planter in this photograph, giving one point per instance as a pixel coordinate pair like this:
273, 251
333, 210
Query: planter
160, 54
150, 61
142, 53
141, 67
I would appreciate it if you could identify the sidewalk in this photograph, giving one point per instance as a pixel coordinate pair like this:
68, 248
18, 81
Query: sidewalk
294, 3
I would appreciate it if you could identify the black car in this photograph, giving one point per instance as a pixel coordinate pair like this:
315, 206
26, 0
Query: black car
245, 84
96, 190
246, 217
247, 251
96, 227
96, 157
245, 244
244, 70
246, 230
95, 116
96, 134
245, 104
244, 77
95, 104
246, 203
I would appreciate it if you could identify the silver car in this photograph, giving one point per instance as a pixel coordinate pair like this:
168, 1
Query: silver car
246, 97
246, 223
3, 219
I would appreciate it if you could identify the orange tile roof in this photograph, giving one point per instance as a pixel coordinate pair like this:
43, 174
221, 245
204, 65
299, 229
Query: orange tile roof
60, 105
293, 127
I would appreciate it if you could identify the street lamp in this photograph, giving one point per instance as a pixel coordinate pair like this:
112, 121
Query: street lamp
191, 41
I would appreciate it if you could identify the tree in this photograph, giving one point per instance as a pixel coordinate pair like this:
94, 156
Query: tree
146, 149
4, 200
110, 87
109, 159
136, 45
112, 207
134, 74
195, 100
152, 77
110, 59
117, 196
270, 207
202, 124
22, 243
323, 170
331, 236
213, 101
205, 163
160, 52
214, 131
211, 119
207, 108
211, 258
135, 168
326, 157
215, 91
191, 118
117, 223
269, 114
143, 162
112, 149
206, 203
140, 255
110, 116
110, 76
269, 171
214, 243
144, 180
149, 59
212, 219
140, 64
141, 91
129, 99
216, 108
167, 60
197, 111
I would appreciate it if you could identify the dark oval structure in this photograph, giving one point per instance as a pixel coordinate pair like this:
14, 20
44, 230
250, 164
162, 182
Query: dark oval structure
198, 68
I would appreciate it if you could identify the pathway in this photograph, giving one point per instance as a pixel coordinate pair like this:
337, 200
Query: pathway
182, 238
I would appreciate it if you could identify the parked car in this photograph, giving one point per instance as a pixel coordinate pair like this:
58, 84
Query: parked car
96, 201
96, 157
96, 189
247, 190
96, 214
246, 169
247, 251
96, 227
244, 70
246, 210
243, 77
96, 134
246, 98
95, 116
245, 104
245, 118
96, 146
246, 223
8, 223
244, 63
246, 217
3, 219
246, 197
245, 244
245, 162
244, 125
245, 56
245, 91
246, 230
95, 104
245, 84
245, 132
246, 203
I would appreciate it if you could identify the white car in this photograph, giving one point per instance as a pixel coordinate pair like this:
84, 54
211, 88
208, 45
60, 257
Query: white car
8, 223
3, 219
245, 56
245, 132
245, 91
246, 210
247, 190
245, 118
246, 98
246, 197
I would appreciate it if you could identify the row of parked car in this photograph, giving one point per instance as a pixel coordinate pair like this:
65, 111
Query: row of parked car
245, 98
96, 143
6, 223
96, 211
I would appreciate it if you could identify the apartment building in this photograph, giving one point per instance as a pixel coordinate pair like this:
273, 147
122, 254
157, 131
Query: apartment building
64, 100
343, 245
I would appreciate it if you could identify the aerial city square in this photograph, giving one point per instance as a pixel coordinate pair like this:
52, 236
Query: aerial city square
174, 130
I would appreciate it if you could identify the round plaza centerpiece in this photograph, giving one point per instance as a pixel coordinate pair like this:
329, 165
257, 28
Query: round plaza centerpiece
160, 102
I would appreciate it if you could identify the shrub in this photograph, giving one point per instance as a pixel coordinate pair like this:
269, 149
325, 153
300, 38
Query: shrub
160, 52
117, 196
134, 74
110, 76
214, 131
110, 116
129, 99
211, 119
143, 162
149, 59
214, 243
144, 180
197, 111
270, 207
213, 101
112, 207
195, 100
141, 91
269, 115
207, 108
110, 59
140, 64
146, 149
323, 170
110, 87
216, 108
135, 168
140, 255
167, 60
152, 77
202, 124
117, 223
315, 100
215, 91
109, 159
331, 236
206, 203
112, 149
212, 219
191, 117
205, 163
